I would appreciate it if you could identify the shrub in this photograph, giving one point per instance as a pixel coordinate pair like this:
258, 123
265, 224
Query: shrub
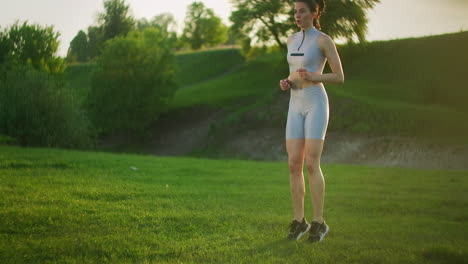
134, 81
32, 44
37, 110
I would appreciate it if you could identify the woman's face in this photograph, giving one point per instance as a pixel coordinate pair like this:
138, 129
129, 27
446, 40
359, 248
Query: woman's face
303, 17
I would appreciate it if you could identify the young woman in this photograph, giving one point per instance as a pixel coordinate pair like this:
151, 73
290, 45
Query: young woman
307, 122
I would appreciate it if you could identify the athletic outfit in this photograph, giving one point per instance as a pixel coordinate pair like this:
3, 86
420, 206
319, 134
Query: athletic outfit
308, 107
308, 113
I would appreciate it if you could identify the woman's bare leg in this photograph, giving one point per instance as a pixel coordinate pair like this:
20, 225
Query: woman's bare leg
295, 148
313, 153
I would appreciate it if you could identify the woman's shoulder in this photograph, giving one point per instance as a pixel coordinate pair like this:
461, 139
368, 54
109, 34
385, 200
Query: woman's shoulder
323, 38
325, 41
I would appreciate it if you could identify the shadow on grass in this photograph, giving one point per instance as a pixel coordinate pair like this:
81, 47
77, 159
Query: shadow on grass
444, 255
14, 164
281, 247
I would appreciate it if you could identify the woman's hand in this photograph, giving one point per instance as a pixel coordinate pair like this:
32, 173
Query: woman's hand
285, 84
307, 76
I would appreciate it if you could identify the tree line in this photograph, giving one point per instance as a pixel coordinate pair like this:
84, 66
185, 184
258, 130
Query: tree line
254, 22
202, 29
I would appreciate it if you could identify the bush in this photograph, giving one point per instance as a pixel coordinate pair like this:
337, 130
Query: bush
31, 44
134, 81
37, 110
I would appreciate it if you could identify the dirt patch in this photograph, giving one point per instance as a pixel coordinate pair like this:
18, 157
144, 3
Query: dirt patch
183, 132
183, 137
355, 149
393, 152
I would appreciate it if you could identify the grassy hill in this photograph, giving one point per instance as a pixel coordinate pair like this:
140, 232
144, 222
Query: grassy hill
251, 81
407, 87
426, 70
416, 84
62, 206
200, 66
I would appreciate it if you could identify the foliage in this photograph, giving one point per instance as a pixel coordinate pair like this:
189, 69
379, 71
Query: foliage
267, 21
4, 46
37, 110
165, 22
31, 44
203, 27
134, 81
79, 48
95, 41
116, 20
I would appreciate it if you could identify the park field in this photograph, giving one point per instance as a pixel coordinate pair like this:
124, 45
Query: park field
64, 206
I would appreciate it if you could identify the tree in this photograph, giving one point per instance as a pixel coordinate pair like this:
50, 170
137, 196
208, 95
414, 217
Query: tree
79, 48
116, 21
266, 21
165, 22
203, 27
95, 41
4, 46
31, 44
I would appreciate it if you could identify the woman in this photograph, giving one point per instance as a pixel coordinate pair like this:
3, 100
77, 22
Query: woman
307, 122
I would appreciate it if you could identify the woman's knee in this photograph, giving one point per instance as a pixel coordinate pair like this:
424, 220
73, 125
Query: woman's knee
313, 165
313, 153
295, 166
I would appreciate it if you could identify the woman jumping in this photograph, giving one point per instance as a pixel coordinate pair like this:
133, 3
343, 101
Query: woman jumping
307, 122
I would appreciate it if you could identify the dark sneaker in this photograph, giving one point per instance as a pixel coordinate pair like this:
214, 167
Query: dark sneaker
297, 230
318, 231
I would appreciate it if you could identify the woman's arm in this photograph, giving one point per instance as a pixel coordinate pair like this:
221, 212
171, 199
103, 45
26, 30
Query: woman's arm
328, 47
286, 83
288, 42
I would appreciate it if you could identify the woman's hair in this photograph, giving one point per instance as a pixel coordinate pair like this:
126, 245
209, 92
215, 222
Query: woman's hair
317, 6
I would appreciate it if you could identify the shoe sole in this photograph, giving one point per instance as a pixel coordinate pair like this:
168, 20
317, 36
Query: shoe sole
303, 233
324, 233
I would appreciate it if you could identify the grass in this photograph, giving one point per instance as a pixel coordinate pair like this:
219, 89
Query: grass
253, 81
200, 66
359, 113
426, 70
61, 206
413, 87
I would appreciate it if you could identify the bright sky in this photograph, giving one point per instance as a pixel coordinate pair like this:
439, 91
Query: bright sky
389, 20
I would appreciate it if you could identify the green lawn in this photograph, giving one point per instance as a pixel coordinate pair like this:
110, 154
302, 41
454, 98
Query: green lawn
61, 206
